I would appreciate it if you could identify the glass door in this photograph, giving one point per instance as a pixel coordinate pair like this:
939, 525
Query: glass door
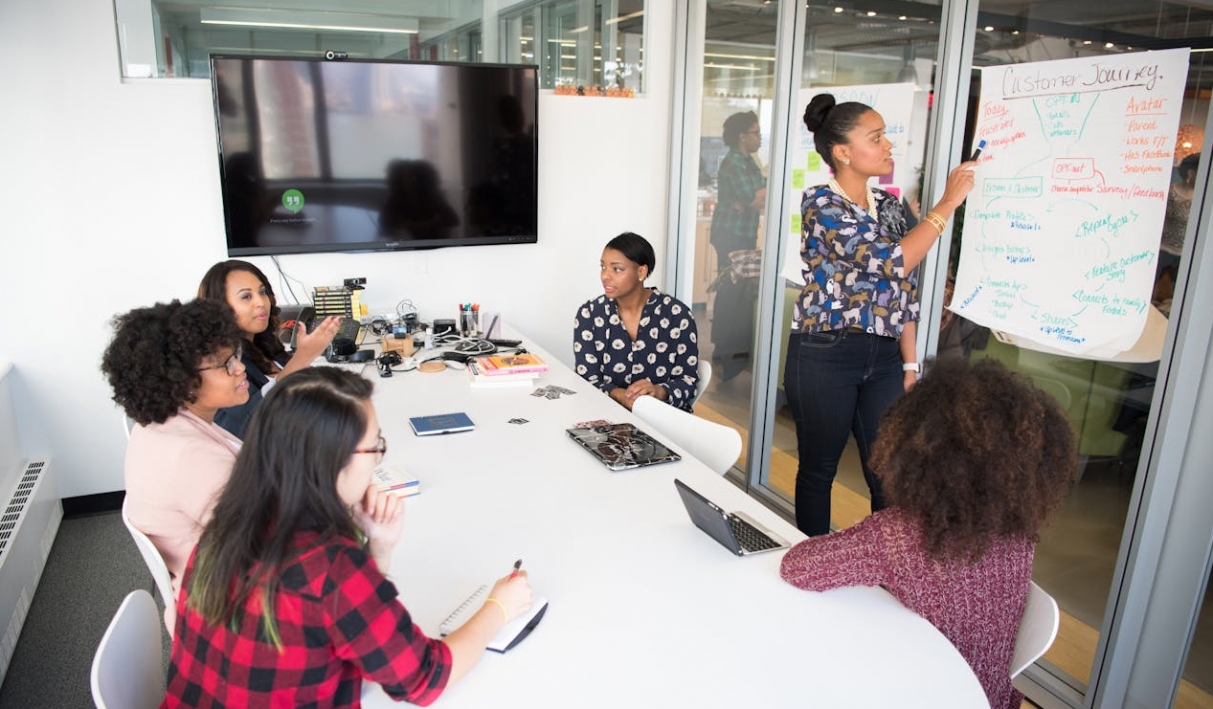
1108, 398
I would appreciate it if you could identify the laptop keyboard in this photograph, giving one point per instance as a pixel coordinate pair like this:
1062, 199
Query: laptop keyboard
750, 537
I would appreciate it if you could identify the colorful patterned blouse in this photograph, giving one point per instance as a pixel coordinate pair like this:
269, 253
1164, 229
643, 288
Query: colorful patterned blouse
853, 272
666, 350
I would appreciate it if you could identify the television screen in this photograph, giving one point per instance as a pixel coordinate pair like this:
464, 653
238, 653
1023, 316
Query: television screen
353, 155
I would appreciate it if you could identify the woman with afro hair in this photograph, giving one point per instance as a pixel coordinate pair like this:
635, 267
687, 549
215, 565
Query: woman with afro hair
973, 461
172, 366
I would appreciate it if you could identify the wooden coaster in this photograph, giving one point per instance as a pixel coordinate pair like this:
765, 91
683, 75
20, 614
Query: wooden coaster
433, 365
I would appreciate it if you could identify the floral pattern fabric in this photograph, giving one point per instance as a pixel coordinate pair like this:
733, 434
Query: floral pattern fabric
666, 349
853, 266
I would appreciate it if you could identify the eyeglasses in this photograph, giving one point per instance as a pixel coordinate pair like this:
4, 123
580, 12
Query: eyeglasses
756, 131
379, 450
230, 364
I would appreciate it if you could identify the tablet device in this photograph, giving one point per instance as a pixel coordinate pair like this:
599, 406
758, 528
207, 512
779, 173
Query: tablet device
442, 423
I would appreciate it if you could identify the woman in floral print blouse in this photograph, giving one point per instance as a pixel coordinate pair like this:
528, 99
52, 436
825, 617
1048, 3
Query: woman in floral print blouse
633, 340
844, 366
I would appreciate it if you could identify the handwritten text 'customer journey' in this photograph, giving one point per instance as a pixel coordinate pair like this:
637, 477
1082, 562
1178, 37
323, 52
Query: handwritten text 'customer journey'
1062, 228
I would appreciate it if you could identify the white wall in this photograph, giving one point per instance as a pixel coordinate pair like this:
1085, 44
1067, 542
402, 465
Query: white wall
110, 196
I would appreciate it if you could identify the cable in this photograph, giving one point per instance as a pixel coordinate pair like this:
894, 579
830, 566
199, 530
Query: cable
285, 280
475, 345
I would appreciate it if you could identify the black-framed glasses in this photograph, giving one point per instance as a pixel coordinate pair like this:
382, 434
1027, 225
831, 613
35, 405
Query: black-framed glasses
230, 364
756, 131
379, 450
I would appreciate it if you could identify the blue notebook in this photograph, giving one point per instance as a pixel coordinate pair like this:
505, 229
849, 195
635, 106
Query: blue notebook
442, 423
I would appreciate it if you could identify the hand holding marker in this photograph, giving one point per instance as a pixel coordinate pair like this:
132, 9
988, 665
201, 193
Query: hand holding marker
977, 153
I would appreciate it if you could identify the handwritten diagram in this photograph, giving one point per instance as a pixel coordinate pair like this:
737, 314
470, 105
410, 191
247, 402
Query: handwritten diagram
1061, 231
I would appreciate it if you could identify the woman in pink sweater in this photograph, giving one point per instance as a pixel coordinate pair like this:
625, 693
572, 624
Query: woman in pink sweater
172, 366
973, 461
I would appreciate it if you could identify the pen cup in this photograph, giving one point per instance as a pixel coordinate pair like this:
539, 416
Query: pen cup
467, 323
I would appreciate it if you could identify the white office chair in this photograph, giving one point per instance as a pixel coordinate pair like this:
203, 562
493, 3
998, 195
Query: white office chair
715, 445
127, 424
155, 563
1037, 629
705, 376
127, 671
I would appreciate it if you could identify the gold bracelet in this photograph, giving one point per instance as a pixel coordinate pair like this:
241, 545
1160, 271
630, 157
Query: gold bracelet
504, 615
936, 221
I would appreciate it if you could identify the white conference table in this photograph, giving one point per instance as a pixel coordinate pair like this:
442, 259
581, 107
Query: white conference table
645, 609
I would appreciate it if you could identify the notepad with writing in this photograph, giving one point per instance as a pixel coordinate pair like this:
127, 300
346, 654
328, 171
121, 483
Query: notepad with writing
442, 423
512, 633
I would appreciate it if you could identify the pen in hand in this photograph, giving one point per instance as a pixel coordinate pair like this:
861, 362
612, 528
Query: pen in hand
977, 153
517, 565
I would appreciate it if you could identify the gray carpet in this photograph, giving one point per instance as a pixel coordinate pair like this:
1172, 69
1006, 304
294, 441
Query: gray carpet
92, 566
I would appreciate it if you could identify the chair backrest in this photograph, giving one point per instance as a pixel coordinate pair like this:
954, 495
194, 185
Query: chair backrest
715, 445
127, 671
155, 562
127, 424
1037, 629
705, 376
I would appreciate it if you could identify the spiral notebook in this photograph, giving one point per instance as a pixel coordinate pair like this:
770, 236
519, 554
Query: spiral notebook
512, 633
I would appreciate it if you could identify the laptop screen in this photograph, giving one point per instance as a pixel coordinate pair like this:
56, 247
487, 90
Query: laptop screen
708, 517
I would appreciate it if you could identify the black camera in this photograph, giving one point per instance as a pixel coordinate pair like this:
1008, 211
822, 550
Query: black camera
335, 56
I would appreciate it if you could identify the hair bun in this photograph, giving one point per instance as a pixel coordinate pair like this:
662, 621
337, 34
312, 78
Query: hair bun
815, 113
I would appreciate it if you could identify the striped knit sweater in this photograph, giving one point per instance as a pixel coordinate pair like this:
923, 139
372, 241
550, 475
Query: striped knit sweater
977, 606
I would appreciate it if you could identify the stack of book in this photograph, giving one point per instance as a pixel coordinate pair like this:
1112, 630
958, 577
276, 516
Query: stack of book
391, 479
505, 370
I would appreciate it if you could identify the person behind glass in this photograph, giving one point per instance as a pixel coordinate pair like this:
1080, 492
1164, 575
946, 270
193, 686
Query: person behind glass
741, 194
973, 462
172, 367
843, 363
286, 599
247, 292
633, 341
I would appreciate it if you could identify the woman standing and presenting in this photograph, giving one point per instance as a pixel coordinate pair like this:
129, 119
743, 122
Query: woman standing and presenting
974, 460
633, 340
286, 599
843, 364
741, 193
244, 288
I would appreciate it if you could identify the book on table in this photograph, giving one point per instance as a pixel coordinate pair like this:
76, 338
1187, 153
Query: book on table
391, 479
503, 365
442, 423
478, 380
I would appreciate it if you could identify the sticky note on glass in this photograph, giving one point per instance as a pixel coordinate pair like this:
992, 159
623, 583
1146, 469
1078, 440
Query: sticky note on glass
814, 161
798, 179
796, 224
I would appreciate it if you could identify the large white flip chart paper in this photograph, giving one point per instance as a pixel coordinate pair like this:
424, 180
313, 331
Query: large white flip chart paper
1062, 228
894, 103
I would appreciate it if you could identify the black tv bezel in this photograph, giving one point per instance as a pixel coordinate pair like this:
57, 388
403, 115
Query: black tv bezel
375, 246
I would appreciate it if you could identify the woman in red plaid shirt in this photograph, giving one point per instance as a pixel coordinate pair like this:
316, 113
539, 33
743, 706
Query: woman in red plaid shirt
285, 601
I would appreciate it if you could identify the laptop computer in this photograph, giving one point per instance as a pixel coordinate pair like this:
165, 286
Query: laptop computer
622, 446
736, 531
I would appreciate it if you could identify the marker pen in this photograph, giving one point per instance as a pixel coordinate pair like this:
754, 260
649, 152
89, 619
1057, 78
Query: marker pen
977, 153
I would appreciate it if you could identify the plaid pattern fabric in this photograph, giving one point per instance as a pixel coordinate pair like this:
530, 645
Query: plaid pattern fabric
666, 350
853, 269
339, 621
734, 222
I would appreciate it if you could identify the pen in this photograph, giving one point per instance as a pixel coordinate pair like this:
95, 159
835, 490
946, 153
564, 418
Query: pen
977, 153
517, 565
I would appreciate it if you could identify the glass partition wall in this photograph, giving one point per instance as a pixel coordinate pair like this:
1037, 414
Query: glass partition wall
889, 55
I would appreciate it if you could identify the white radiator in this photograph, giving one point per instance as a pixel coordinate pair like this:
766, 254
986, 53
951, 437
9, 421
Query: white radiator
28, 526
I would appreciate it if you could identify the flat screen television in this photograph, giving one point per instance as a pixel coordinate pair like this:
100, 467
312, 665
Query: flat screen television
318, 155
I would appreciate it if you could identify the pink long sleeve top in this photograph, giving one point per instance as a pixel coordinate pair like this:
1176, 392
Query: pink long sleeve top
174, 473
976, 606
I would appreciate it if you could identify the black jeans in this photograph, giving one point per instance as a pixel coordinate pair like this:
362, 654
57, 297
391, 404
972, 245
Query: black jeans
838, 384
